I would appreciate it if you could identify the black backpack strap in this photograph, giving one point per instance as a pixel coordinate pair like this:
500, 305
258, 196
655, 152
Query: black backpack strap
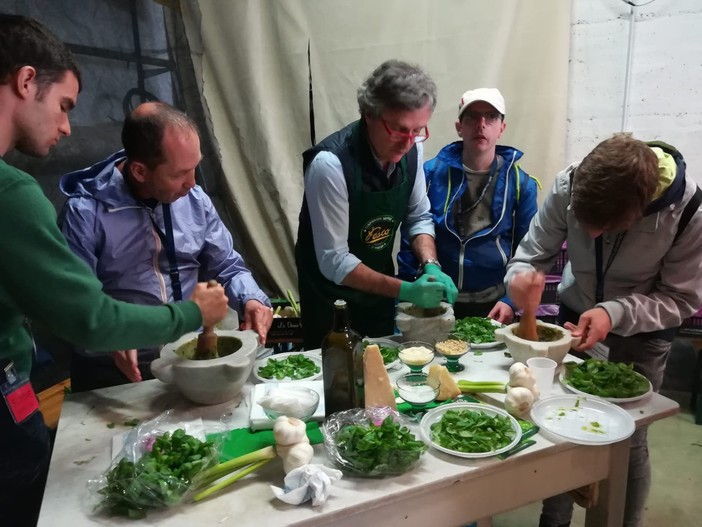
689, 211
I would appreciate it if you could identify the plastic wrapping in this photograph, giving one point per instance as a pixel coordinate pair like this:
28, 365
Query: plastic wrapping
157, 467
376, 455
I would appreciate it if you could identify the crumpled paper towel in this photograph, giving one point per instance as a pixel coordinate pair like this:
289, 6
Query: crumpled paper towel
307, 482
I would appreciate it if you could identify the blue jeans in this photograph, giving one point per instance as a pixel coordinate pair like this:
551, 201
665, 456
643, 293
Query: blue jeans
25, 451
649, 356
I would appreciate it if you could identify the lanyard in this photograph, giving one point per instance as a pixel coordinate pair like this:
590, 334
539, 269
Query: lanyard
169, 243
493, 171
599, 292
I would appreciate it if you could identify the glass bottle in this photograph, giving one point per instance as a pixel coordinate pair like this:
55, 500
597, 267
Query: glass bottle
342, 364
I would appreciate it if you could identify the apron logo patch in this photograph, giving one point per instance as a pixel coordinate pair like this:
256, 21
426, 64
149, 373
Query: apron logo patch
378, 232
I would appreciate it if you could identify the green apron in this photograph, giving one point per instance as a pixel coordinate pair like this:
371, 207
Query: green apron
374, 218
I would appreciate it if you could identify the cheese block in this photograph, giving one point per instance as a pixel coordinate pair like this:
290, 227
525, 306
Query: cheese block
376, 383
448, 389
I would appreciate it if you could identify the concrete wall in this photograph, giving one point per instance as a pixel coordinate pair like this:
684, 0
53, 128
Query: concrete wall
665, 80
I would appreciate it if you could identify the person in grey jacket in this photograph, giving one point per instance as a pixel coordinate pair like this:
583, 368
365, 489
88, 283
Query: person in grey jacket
631, 219
149, 233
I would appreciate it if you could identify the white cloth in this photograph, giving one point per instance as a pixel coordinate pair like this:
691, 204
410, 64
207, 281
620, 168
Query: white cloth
309, 482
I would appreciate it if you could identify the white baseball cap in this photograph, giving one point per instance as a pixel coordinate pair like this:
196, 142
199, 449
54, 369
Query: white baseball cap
489, 95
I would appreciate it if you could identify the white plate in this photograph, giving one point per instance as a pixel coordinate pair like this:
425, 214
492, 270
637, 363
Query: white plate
281, 356
567, 386
488, 345
585, 420
435, 415
386, 343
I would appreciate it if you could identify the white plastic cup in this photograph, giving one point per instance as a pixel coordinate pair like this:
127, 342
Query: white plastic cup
543, 369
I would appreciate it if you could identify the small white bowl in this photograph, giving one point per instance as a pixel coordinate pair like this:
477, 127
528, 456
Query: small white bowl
523, 349
304, 413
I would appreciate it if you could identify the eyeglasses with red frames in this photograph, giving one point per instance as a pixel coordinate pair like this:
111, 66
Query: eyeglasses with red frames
398, 136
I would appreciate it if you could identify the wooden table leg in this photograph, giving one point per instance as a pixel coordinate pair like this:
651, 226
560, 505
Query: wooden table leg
609, 511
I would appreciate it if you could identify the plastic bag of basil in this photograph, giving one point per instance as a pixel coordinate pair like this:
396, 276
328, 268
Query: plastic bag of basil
159, 466
373, 442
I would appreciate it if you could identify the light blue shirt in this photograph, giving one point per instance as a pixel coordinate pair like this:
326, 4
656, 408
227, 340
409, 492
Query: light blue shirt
328, 203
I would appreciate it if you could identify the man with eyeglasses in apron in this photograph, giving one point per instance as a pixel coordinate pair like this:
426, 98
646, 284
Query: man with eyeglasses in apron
361, 183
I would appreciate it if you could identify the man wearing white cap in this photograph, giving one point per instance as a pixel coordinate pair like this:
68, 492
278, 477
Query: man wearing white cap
481, 203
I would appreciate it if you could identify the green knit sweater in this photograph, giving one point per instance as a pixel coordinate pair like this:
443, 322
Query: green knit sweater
42, 280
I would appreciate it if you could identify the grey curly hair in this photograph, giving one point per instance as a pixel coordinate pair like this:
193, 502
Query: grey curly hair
396, 85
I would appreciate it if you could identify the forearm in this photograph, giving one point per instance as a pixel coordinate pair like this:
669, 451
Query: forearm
675, 296
639, 313
540, 247
365, 279
424, 248
58, 291
243, 288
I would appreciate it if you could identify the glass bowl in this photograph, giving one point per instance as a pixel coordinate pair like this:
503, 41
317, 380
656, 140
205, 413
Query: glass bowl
418, 389
290, 401
452, 347
412, 355
378, 459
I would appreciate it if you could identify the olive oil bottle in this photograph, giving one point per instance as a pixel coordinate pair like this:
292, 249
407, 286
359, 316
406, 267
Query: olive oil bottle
342, 364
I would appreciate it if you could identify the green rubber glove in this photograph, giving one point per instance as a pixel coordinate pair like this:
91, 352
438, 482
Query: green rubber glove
425, 292
450, 288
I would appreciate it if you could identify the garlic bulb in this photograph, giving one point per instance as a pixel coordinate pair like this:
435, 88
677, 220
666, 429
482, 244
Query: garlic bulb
296, 456
518, 400
289, 430
520, 375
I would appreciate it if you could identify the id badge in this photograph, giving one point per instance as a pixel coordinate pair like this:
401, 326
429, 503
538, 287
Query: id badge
18, 394
599, 351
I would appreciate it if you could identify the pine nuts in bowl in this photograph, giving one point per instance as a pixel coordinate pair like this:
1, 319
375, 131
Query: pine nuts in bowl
451, 346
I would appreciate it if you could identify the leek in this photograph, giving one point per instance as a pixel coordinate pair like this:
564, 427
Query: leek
482, 387
251, 462
229, 480
293, 304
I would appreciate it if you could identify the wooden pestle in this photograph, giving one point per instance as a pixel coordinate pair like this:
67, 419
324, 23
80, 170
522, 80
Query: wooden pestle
527, 322
527, 325
207, 340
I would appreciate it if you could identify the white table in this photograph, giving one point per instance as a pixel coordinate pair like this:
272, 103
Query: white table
442, 490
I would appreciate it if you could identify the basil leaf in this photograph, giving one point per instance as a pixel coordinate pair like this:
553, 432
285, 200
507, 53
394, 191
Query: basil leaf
378, 450
476, 330
472, 431
606, 379
294, 367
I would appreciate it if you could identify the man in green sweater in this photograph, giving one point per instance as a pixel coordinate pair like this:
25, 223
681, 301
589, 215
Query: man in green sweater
40, 277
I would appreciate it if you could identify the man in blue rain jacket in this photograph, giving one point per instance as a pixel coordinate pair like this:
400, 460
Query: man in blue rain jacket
149, 233
481, 203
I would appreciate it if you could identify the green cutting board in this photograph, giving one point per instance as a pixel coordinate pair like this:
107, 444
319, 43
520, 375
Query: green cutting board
242, 441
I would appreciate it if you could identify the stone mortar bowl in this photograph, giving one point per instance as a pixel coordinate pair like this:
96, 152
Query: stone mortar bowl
415, 325
209, 381
522, 349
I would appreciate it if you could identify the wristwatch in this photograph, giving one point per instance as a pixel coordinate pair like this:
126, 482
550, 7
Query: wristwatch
427, 262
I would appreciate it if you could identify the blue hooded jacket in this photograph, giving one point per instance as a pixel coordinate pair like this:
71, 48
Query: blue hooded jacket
114, 233
478, 261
